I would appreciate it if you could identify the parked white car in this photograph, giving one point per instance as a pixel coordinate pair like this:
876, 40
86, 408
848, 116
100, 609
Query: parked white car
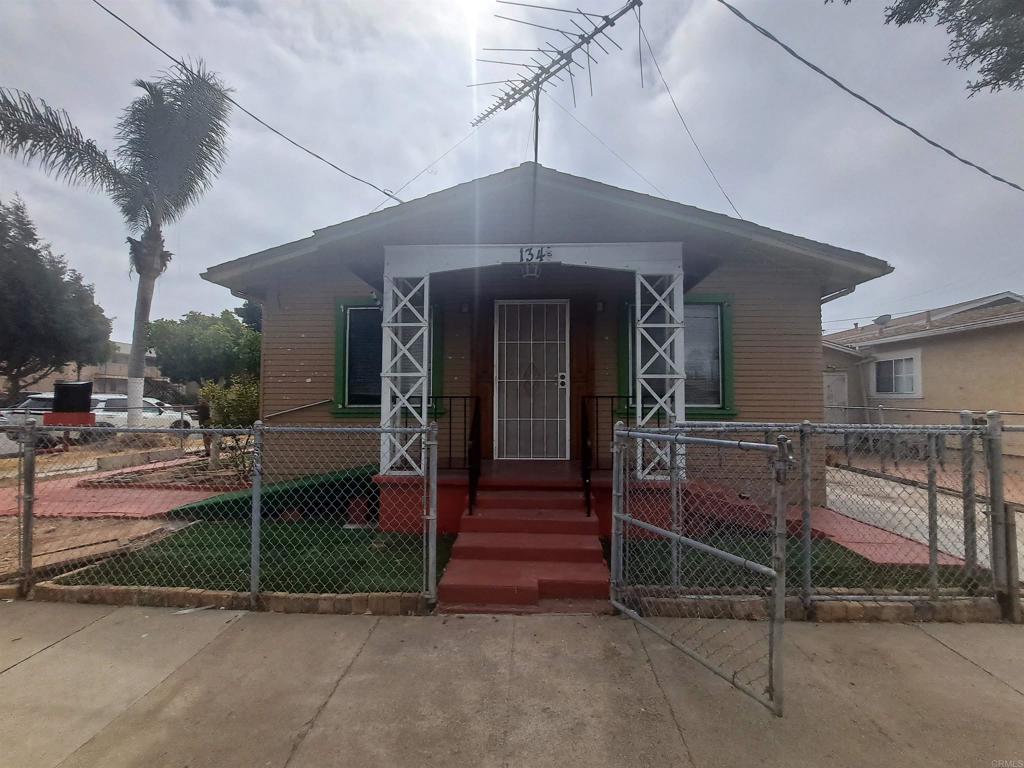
111, 411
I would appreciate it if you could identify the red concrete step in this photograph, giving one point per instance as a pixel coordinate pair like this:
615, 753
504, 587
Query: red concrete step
529, 521
548, 547
533, 482
542, 499
508, 582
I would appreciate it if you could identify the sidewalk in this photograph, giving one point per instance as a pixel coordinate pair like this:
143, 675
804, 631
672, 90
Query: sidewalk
102, 686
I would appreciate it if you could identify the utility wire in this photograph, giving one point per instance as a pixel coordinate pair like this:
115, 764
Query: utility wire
262, 122
600, 141
451, 149
761, 30
686, 127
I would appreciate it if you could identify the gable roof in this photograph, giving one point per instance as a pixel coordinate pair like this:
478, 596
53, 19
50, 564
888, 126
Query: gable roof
531, 203
987, 311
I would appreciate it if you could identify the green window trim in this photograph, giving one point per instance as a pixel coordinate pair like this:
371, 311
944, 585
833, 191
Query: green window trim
340, 409
727, 410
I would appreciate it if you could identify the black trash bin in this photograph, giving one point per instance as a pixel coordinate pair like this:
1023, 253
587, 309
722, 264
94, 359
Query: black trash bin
72, 397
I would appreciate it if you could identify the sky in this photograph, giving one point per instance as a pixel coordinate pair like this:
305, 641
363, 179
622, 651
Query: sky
380, 88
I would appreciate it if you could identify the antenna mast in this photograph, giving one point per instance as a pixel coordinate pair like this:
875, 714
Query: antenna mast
538, 74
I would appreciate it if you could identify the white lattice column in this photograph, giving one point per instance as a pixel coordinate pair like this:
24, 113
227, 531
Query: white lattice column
659, 358
405, 378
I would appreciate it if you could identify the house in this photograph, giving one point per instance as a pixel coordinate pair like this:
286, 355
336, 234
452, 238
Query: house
926, 367
109, 378
528, 311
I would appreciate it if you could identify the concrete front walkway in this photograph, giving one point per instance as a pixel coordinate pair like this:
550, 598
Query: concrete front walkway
101, 686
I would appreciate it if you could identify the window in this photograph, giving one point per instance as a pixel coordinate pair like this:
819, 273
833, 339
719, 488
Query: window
703, 344
708, 348
359, 341
359, 353
897, 376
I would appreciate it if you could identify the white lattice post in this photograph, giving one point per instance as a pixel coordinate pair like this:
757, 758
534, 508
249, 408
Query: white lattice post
659, 359
405, 378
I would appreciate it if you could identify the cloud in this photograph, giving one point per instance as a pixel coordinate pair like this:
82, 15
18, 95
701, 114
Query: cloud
380, 89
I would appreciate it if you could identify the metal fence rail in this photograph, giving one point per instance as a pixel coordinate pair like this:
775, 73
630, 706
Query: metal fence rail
897, 511
698, 550
258, 510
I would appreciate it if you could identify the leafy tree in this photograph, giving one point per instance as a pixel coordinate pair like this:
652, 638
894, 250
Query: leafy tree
170, 148
251, 314
49, 314
986, 34
235, 404
203, 347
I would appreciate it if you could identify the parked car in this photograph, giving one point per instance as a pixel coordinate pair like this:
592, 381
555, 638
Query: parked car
110, 410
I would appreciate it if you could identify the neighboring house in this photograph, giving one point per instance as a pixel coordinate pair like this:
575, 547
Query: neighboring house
109, 378
526, 312
966, 356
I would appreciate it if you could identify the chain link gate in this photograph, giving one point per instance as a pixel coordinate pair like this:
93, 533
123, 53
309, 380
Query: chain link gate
699, 550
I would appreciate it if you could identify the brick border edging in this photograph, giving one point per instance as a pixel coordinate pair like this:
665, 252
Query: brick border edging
959, 610
374, 603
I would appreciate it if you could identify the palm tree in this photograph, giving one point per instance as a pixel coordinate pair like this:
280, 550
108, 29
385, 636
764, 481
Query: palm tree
170, 147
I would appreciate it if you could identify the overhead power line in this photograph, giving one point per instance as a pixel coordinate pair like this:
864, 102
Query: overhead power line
761, 30
686, 127
259, 120
600, 141
447, 152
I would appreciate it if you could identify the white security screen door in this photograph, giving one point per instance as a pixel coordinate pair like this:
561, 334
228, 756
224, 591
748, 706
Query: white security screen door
531, 379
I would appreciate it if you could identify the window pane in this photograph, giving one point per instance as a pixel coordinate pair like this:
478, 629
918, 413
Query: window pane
120, 404
703, 343
884, 376
363, 349
703, 352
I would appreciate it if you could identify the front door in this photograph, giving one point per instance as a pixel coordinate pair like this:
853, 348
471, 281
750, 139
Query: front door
531, 379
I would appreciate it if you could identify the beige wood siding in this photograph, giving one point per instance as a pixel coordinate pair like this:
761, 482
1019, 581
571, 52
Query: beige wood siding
776, 332
777, 351
298, 344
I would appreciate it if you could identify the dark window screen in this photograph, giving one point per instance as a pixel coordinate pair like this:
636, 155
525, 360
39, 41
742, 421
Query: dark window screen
364, 355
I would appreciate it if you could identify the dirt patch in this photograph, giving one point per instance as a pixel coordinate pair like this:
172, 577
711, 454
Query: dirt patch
58, 543
192, 475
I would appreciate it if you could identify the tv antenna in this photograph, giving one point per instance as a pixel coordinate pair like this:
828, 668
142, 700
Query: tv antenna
532, 76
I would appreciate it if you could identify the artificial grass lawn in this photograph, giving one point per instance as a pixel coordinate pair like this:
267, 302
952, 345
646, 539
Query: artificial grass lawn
648, 561
318, 557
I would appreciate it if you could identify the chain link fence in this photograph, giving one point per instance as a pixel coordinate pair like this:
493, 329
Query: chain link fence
258, 510
891, 512
699, 549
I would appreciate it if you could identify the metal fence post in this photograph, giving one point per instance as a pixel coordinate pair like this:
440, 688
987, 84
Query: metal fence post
618, 472
257, 514
997, 524
969, 493
673, 484
28, 497
933, 518
430, 585
782, 459
805, 506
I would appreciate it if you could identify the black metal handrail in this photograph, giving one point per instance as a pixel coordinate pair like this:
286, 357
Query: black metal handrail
474, 453
586, 451
599, 414
453, 414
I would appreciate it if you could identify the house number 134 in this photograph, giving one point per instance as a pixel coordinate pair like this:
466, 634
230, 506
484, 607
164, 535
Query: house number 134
535, 253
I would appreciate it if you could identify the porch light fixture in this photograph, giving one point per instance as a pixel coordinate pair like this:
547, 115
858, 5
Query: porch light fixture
531, 268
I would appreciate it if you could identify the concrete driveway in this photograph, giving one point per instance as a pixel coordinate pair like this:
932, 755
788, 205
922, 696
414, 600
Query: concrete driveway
103, 686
